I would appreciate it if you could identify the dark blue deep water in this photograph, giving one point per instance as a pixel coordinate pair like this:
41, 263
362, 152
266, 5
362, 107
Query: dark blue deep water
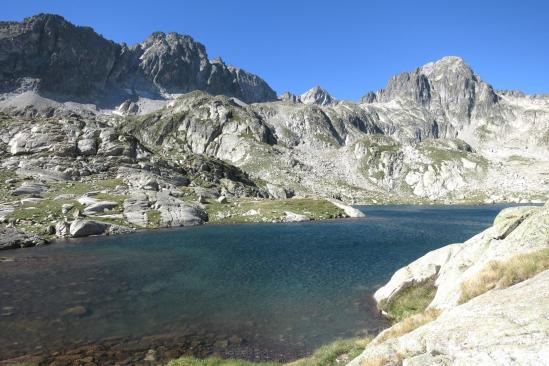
257, 290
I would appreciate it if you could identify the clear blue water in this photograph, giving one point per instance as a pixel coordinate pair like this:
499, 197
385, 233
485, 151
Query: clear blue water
274, 290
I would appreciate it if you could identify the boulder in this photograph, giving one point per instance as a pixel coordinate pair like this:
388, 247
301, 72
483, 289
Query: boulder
279, 192
294, 217
66, 208
222, 199
33, 188
81, 228
5, 210
62, 229
135, 209
98, 207
31, 200
87, 146
175, 212
350, 211
11, 238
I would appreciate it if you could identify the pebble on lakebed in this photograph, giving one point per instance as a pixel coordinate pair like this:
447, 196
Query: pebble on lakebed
77, 311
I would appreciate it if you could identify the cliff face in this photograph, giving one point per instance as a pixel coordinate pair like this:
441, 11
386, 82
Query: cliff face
49, 55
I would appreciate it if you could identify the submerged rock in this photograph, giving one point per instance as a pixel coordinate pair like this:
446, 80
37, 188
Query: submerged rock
77, 311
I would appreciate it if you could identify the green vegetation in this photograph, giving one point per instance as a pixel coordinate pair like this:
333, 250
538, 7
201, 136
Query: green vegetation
502, 274
250, 210
214, 361
412, 300
79, 188
343, 351
518, 158
408, 324
5, 195
153, 218
338, 352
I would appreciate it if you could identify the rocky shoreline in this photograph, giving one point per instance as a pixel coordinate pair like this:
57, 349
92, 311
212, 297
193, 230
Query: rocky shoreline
498, 326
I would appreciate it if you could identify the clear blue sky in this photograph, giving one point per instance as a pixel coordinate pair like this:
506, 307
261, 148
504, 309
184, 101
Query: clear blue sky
348, 47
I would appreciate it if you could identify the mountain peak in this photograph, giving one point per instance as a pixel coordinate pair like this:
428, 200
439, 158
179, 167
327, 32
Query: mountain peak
447, 64
316, 95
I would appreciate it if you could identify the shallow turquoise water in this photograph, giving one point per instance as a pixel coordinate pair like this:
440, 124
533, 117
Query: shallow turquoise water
281, 288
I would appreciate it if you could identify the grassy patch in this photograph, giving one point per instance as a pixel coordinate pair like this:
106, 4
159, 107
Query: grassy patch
408, 324
265, 210
214, 361
153, 218
338, 352
518, 158
502, 274
5, 189
79, 188
412, 300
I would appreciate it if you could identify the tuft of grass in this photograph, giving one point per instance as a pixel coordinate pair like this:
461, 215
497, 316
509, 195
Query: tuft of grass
412, 300
214, 361
408, 324
502, 274
338, 352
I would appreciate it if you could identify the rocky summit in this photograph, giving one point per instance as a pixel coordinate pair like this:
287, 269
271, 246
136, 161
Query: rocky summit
154, 134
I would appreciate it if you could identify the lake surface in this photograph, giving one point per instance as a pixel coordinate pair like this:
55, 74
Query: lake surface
259, 291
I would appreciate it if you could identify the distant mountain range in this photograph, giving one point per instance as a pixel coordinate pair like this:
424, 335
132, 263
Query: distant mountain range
436, 133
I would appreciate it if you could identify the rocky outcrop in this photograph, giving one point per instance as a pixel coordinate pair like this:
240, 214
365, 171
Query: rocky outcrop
501, 327
47, 54
12, 238
516, 230
174, 212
